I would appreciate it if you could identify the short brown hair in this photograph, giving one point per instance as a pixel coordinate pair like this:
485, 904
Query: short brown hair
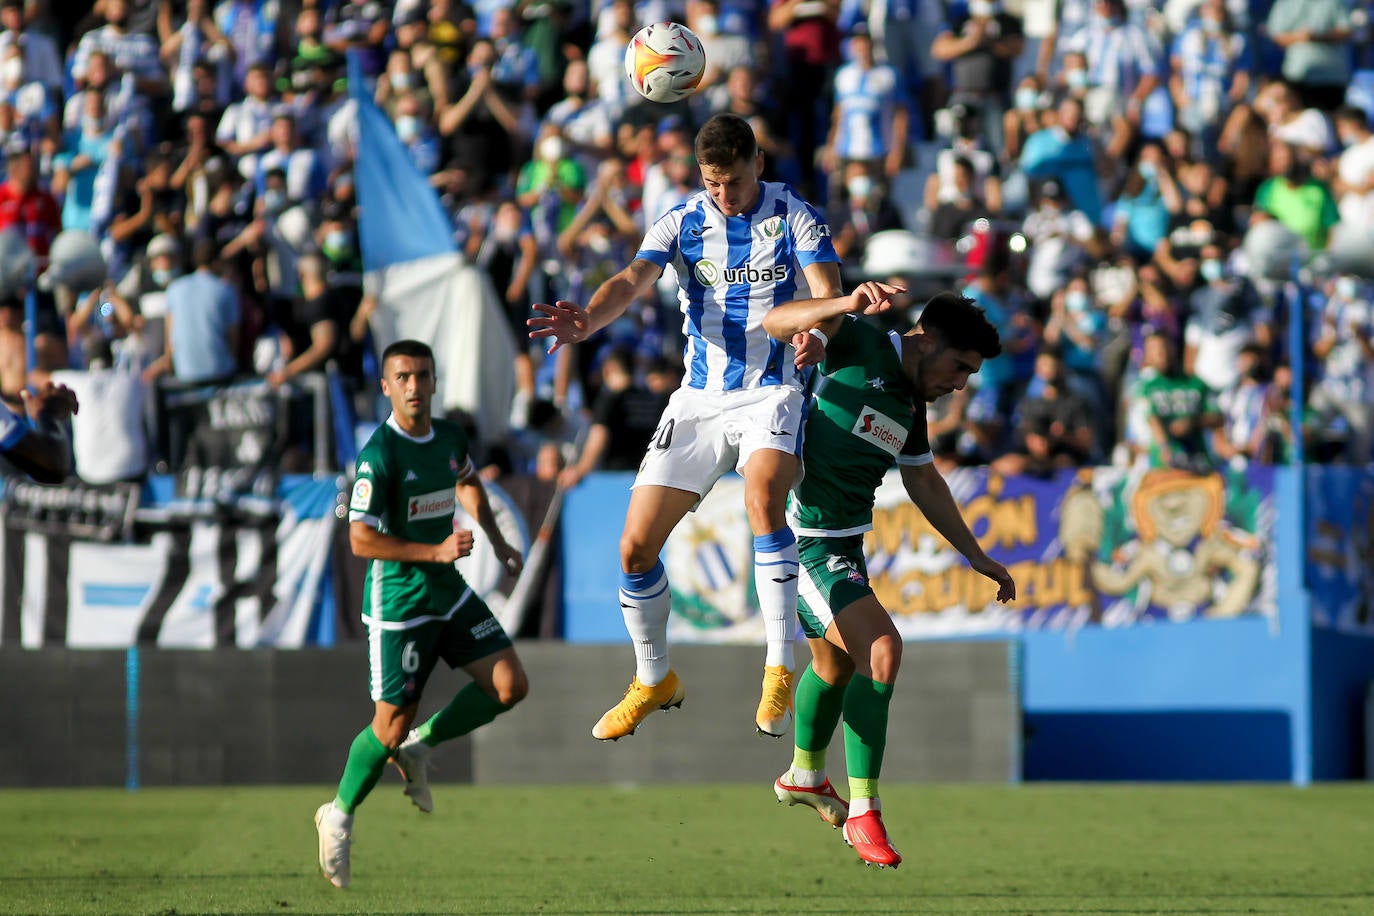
724, 140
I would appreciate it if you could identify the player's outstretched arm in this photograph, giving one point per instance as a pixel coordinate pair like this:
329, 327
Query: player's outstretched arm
928, 490
370, 544
568, 323
824, 314
472, 496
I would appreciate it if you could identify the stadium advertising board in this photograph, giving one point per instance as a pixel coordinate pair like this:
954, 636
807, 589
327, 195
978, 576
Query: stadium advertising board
1340, 547
1098, 547
89, 567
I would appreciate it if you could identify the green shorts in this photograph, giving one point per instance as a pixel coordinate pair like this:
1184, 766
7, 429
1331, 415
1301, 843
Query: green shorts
401, 655
834, 576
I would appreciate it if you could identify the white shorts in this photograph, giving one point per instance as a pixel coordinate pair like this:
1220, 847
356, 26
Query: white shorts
702, 435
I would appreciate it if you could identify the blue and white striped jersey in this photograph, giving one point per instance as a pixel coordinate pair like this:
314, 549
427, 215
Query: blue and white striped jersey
731, 271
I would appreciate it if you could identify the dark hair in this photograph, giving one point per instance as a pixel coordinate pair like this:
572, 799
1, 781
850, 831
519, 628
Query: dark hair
724, 140
958, 322
415, 349
204, 253
1352, 114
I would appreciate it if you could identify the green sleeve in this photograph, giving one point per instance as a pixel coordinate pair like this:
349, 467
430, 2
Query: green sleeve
368, 499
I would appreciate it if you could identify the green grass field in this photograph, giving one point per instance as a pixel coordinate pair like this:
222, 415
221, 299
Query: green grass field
695, 849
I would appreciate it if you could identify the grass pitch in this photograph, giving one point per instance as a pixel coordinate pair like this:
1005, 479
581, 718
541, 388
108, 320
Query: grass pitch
1039, 849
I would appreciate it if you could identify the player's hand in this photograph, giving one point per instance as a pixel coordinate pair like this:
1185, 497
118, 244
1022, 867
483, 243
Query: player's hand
872, 298
51, 402
510, 558
458, 544
809, 349
1006, 585
566, 322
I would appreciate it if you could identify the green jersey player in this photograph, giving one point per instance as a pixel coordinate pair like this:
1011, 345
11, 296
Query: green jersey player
416, 606
869, 415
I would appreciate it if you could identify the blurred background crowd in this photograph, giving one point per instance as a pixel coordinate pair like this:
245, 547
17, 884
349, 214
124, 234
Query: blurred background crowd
1123, 184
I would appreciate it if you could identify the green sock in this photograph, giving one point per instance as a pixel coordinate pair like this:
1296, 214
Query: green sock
472, 708
818, 707
865, 733
366, 760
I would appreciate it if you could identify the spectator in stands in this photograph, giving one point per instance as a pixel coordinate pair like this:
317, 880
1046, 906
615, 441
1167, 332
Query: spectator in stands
952, 217
1211, 64
1242, 436
133, 53
1061, 150
725, 49
301, 166
42, 60
979, 48
624, 416
1313, 35
481, 127
506, 249
1141, 218
743, 96
1290, 122
414, 128
311, 331
860, 210
606, 56
1054, 428
985, 185
144, 287
583, 121
1122, 59
1225, 315
1024, 116
871, 118
245, 130
1060, 240
1077, 331
1178, 409
75, 169
145, 206
203, 319
1294, 197
1342, 400
810, 38
1353, 183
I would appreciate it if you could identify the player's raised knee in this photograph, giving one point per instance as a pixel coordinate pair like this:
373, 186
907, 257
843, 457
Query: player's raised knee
885, 657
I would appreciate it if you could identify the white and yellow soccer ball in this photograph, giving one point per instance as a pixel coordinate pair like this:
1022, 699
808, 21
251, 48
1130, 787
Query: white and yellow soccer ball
665, 61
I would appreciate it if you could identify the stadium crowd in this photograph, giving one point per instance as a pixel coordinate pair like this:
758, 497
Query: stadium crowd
1109, 178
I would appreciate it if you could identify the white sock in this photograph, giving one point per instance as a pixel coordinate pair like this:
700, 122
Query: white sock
644, 602
859, 806
806, 779
337, 818
775, 578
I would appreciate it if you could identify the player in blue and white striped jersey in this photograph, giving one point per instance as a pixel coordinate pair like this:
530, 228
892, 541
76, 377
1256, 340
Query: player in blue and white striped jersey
740, 248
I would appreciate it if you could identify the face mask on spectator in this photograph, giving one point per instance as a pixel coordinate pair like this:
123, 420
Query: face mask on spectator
407, 127
1147, 170
981, 8
599, 243
1347, 288
273, 200
1211, 26
860, 186
91, 125
1075, 300
162, 276
1076, 78
707, 25
1211, 270
1026, 98
400, 80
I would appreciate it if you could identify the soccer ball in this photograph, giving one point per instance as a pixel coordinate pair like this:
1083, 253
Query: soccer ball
665, 61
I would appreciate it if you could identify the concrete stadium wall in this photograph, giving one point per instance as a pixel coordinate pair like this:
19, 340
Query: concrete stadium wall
269, 716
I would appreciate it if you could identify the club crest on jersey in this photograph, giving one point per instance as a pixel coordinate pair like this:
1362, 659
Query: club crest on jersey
877, 428
430, 505
709, 274
771, 228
